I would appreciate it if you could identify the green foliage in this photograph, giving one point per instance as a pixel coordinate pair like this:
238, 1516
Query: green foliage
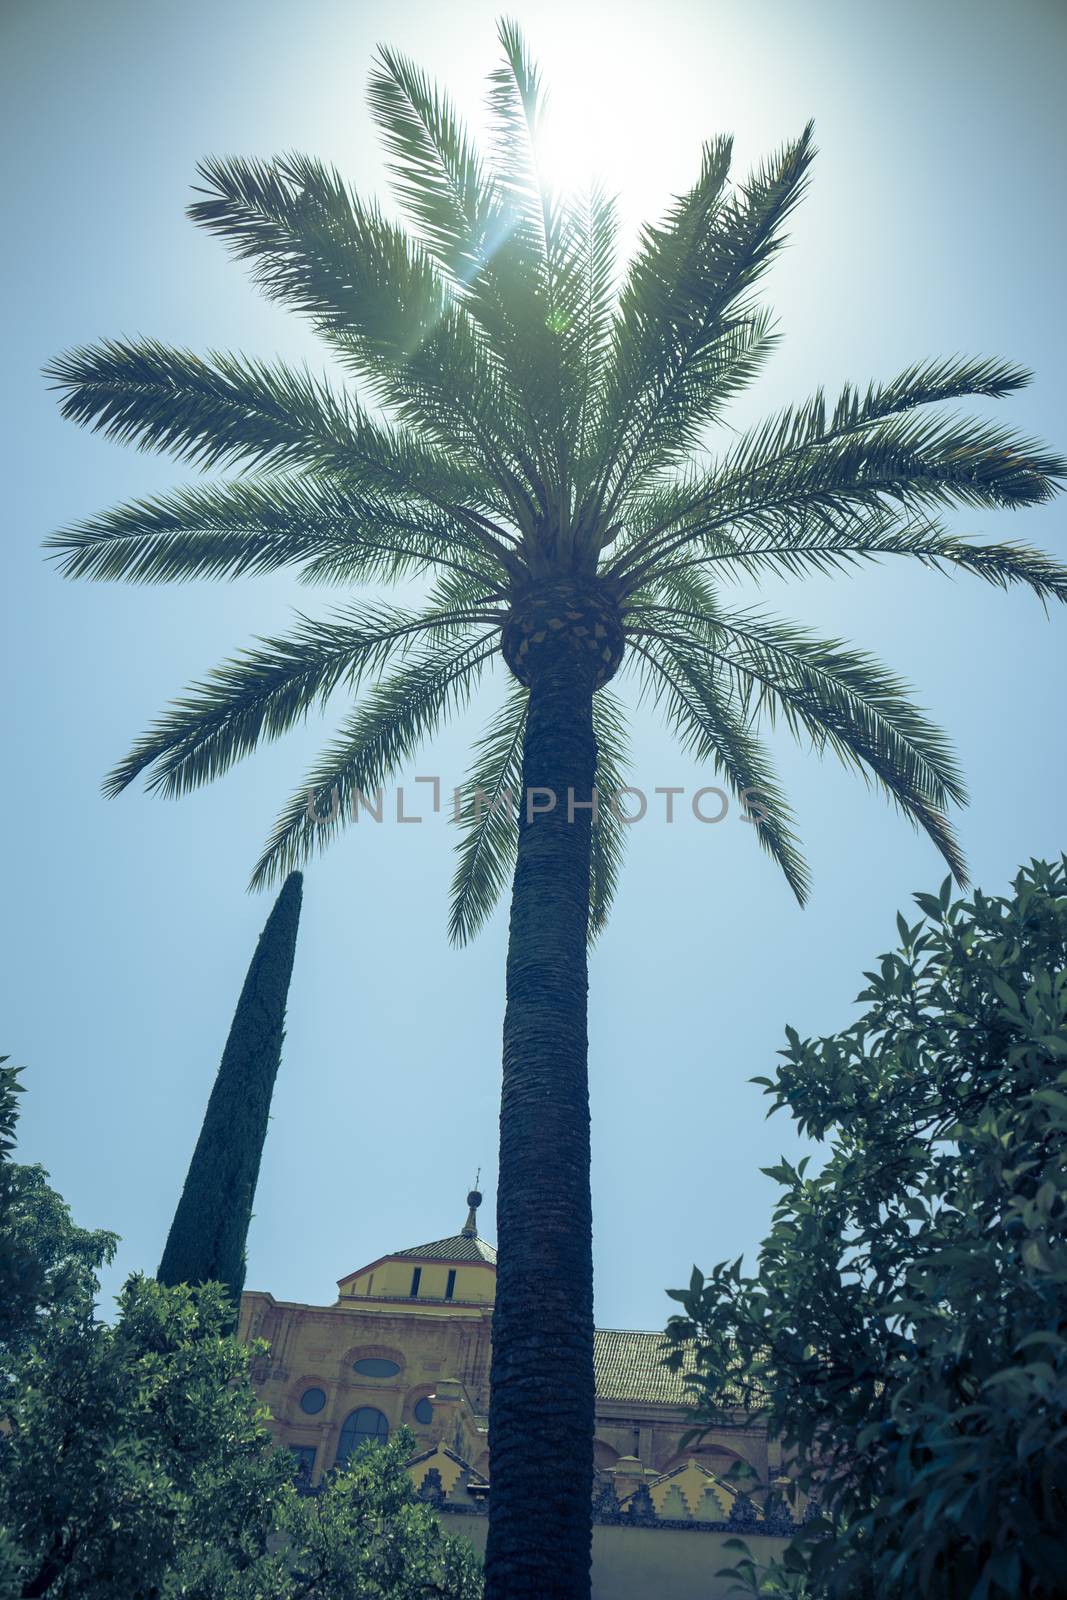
138, 1463
135, 1458
368, 1535
538, 422
47, 1264
209, 1233
906, 1335
128, 1443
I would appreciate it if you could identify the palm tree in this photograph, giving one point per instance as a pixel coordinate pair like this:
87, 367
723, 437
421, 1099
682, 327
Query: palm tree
538, 452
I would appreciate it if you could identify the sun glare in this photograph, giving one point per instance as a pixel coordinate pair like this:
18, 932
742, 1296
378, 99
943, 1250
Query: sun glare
573, 149
630, 104
607, 117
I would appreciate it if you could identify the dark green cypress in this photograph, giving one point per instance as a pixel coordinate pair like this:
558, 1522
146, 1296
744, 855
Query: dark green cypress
208, 1235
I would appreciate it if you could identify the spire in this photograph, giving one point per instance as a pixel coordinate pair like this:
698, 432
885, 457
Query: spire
474, 1200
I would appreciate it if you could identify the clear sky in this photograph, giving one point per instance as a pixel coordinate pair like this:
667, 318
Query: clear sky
934, 226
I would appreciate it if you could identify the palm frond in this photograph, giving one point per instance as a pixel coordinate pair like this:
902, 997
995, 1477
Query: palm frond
475, 593
267, 689
257, 525
926, 383
491, 791
223, 408
801, 429
559, 260
313, 246
729, 364
438, 176
711, 724
586, 288
530, 264
468, 223
797, 472
517, 107
227, 408
821, 688
376, 296
393, 720
826, 539
1004, 564
840, 699
684, 293
609, 831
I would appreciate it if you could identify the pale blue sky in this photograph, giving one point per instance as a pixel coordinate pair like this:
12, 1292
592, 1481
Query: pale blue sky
934, 226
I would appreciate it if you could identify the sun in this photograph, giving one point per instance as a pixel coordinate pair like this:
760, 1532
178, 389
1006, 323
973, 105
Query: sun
607, 120
573, 149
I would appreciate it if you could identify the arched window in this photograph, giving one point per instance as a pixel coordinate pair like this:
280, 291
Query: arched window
358, 1427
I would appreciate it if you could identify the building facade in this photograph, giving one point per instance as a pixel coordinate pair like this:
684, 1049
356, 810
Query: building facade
407, 1343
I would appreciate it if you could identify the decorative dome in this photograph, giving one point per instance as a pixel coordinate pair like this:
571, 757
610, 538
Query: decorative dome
462, 1246
429, 1277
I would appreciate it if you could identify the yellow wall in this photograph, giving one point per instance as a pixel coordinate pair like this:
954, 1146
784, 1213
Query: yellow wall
437, 1348
442, 1349
393, 1278
670, 1564
639, 1563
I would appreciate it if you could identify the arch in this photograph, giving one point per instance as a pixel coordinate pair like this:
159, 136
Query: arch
365, 1425
604, 1455
371, 1352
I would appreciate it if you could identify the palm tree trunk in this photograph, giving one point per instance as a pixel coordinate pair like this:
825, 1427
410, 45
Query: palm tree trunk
542, 1402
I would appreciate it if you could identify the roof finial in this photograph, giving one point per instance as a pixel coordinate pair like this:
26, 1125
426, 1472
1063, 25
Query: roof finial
474, 1200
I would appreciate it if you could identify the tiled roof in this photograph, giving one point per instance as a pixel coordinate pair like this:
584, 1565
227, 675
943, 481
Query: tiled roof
461, 1247
629, 1366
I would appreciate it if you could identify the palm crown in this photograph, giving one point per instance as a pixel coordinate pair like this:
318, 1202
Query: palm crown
534, 429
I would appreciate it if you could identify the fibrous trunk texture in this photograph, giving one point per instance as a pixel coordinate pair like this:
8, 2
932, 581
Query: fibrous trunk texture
542, 1403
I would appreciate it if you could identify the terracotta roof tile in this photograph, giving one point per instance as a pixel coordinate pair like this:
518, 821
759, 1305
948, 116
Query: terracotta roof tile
629, 1366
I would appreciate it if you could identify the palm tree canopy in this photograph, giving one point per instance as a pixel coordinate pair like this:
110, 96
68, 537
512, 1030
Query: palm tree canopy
526, 423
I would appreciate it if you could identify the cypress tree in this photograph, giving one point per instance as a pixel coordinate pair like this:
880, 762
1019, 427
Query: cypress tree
208, 1235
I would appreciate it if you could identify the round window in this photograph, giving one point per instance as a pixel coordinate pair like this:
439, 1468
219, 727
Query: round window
376, 1367
423, 1411
312, 1401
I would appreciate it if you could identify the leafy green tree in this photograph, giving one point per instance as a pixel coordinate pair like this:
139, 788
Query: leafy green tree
539, 455
47, 1263
135, 1458
367, 1534
906, 1333
139, 1464
209, 1233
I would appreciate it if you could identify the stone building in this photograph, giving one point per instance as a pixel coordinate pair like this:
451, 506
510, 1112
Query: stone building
407, 1343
